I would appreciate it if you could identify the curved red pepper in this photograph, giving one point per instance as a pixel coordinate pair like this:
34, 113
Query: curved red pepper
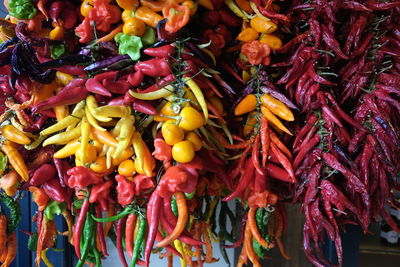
42, 174
156, 67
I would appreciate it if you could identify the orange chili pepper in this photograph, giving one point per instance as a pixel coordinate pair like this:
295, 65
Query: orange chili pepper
103, 137
254, 228
11, 249
279, 143
128, 4
278, 234
16, 160
157, 6
177, 17
13, 134
39, 197
248, 244
148, 16
3, 234
265, 140
248, 35
181, 222
129, 231
110, 36
284, 161
247, 104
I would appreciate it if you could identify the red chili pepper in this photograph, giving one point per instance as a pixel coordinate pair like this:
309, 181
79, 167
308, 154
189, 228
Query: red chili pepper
306, 148
162, 151
78, 227
120, 249
156, 67
55, 10
165, 51
244, 182
55, 191
100, 193
278, 173
72, 93
99, 230
254, 155
125, 190
228, 18
284, 161
153, 215
69, 18
119, 101
135, 78
94, 86
42, 174
144, 107
106, 75
116, 87
161, 83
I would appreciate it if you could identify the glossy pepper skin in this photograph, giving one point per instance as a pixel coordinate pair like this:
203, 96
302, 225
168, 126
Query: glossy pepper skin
42, 175
81, 177
22, 9
55, 191
156, 67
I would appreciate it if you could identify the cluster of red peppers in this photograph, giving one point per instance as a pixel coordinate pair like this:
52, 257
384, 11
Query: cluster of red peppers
140, 120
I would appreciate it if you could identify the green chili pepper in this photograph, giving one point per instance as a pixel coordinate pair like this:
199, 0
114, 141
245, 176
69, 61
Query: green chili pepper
128, 210
130, 45
88, 236
22, 9
54, 208
232, 218
15, 212
138, 240
258, 249
57, 50
174, 206
32, 241
149, 36
222, 219
96, 253
223, 251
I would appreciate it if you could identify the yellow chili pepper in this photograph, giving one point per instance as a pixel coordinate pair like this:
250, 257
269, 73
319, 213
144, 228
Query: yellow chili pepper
15, 159
273, 41
274, 120
139, 149
104, 137
11, 133
277, 107
85, 133
258, 13
251, 122
148, 16
72, 119
179, 247
63, 78
262, 25
92, 120
61, 112
145, 161
246, 76
92, 105
68, 150
247, 104
45, 259
248, 35
125, 135
199, 96
235, 9
112, 111
163, 92
64, 137
57, 33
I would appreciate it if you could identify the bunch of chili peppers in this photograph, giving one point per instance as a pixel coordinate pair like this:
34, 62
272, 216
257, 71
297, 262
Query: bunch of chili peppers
139, 121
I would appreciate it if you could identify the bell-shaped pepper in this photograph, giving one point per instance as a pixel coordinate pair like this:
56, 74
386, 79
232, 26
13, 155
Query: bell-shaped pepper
142, 183
9, 183
42, 175
81, 177
129, 45
99, 193
261, 200
177, 16
125, 190
54, 208
177, 179
162, 151
39, 196
256, 52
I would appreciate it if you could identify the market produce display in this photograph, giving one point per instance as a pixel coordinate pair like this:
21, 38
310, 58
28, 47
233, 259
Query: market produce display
140, 120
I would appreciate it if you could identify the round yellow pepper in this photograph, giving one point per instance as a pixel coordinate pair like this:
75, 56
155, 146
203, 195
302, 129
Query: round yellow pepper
100, 165
172, 133
166, 110
134, 26
127, 14
183, 151
195, 140
190, 119
127, 168
86, 7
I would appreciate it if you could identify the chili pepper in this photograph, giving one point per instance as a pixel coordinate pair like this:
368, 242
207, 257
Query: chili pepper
120, 226
72, 93
245, 180
13, 134
306, 149
247, 104
138, 240
15, 159
130, 45
128, 210
277, 107
89, 237
129, 231
42, 175
274, 120
79, 226
165, 51
54, 189
153, 213
94, 86
99, 193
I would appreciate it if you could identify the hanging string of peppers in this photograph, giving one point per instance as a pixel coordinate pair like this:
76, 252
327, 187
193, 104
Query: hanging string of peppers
140, 120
